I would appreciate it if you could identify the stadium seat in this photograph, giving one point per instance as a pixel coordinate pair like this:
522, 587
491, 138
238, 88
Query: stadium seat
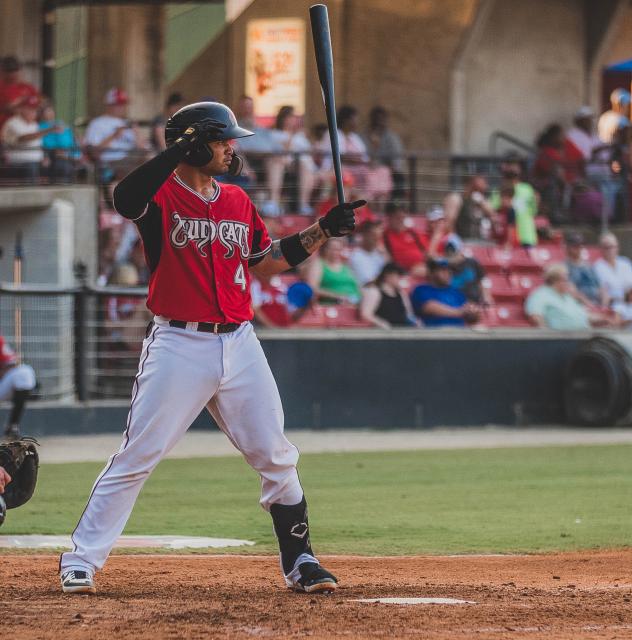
506, 315
343, 315
526, 282
313, 318
550, 253
591, 253
491, 259
291, 224
501, 288
525, 260
285, 279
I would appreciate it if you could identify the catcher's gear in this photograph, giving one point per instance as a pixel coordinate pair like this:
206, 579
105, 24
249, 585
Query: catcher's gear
340, 220
224, 127
21, 461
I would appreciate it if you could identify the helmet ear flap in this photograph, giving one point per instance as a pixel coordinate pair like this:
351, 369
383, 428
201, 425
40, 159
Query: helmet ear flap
199, 156
236, 165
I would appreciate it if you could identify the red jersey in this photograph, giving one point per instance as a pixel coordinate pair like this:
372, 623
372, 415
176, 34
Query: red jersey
11, 93
198, 251
407, 248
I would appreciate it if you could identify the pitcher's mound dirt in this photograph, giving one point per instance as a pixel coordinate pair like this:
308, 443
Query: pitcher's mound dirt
565, 597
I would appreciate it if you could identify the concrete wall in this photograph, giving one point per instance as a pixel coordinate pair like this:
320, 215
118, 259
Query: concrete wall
20, 34
125, 49
526, 70
59, 227
392, 53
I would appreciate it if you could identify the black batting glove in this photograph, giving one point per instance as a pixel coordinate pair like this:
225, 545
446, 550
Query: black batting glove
340, 220
199, 133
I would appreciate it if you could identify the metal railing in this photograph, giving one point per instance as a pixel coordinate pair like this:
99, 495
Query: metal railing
83, 341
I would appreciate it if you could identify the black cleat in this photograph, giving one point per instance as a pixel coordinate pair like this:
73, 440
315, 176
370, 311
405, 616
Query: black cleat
315, 579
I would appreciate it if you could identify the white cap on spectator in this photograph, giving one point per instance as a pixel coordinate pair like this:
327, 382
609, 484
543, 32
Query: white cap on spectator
584, 112
115, 96
436, 213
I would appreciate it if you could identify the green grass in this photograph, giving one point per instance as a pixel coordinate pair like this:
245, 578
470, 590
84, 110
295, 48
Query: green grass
467, 501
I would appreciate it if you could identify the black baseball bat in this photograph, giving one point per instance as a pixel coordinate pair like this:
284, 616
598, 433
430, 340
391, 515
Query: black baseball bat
325, 63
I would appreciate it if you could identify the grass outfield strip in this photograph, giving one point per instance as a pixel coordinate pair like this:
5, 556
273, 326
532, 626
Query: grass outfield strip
386, 503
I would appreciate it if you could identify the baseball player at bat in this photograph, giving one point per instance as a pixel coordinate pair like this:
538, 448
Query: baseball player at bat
201, 239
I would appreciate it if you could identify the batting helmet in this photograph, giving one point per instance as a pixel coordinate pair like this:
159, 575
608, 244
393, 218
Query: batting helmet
194, 113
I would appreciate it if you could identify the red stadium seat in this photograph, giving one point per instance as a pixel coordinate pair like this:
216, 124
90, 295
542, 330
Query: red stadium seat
591, 253
491, 259
525, 260
526, 282
291, 224
344, 315
506, 315
501, 288
550, 253
313, 318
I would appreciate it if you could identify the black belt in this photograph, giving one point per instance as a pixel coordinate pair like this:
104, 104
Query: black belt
208, 327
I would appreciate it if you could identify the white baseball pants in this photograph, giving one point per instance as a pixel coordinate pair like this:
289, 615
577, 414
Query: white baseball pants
180, 372
20, 378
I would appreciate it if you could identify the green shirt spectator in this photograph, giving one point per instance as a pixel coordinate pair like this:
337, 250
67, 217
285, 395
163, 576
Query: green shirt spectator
330, 277
525, 205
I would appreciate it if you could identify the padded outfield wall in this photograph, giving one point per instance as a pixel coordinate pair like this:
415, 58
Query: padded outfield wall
384, 380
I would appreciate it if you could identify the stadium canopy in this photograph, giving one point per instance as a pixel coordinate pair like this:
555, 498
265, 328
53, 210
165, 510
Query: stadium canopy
626, 65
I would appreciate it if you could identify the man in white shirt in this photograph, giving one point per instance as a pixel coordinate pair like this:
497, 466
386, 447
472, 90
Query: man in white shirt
368, 258
22, 137
613, 271
613, 123
581, 134
112, 139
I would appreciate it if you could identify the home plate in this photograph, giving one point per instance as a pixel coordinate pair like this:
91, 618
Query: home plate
164, 542
415, 601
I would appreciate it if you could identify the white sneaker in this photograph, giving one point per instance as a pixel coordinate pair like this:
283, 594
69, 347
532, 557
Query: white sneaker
77, 581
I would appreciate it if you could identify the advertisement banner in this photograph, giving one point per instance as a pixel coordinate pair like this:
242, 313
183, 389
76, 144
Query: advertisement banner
275, 65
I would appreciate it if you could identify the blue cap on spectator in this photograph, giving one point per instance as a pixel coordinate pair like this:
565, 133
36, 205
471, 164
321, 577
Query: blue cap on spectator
438, 263
620, 96
299, 295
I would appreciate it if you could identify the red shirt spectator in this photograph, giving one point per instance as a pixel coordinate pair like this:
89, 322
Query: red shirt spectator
406, 246
269, 302
13, 90
437, 235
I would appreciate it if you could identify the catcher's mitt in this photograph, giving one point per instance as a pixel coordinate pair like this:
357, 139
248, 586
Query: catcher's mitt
21, 462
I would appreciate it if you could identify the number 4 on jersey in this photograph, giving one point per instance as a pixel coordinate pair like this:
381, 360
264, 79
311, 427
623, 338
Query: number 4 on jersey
240, 277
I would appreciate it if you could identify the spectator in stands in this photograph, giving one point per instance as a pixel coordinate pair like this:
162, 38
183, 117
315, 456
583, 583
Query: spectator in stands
22, 138
613, 271
112, 140
467, 273
13, 90
254, 150
582, 136
368, 257
504, 220
404, 244
373, 179
437, 234
269, 302
554, 306
525, 201
174, 102
59, 144
289, 136
385, 146
17, 381
330, 277
581, 273
438, 303
476, 213
623, 309
384, 304
614, 124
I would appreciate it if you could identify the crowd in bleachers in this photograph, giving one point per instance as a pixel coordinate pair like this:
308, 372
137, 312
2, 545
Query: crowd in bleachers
488, 253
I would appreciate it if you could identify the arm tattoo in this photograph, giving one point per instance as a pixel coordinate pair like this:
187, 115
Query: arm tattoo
312, 238
275, 251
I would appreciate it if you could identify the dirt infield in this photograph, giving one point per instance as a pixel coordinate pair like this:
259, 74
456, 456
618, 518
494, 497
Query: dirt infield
566, 596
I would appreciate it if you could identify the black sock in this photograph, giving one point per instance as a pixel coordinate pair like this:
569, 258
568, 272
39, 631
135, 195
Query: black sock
292, 530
